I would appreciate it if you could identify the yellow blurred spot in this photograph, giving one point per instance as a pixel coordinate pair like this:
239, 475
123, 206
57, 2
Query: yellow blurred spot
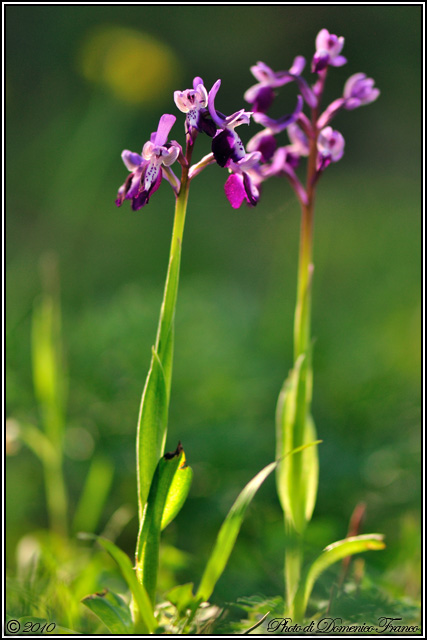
135, 66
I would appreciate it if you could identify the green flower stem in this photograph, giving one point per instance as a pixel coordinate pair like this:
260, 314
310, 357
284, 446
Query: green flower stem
167, 312
293, 565
305, 267
294, 554
153, 416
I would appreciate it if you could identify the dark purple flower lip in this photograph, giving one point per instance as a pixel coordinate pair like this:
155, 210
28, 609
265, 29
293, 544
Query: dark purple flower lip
244, 180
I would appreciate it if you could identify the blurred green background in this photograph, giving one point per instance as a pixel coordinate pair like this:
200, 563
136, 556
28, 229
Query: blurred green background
85, 82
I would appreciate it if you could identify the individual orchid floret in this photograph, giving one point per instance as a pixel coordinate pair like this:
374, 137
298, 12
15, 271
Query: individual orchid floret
284, 162
261, 95
227, 145
279, 124
194, 103
244, 180
330, 145
328, 49
359, 90
264, 141
146, 169
300, 144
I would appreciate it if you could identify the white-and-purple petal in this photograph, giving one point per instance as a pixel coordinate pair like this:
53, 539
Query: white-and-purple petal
299, 141
277, 125
131, 160
211, 103
329, 42
328, 50
359, 90
330, 144
166, 123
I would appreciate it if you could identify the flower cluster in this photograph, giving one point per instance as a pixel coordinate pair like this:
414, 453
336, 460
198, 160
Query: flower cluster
304, 133
262, 158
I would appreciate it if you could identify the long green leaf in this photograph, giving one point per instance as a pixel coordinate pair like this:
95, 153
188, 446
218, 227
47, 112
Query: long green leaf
331, 554
167, 494
40, 444
153, 414
111, 610
139, 594
228, 533
96, 489
49, 377
297, 479
152, 424
231, 526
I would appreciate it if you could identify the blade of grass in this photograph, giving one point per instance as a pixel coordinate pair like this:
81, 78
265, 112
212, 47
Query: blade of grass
94, 495
228, 534
230, 529
139, 594
331, 554
50, 387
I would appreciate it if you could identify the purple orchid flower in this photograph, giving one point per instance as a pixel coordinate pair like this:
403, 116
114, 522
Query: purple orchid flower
194, 103
358, 91
300, 145
284, 162
244, 180
328, 49
330, 145
146, 169
264, 141
261, 95
227, 145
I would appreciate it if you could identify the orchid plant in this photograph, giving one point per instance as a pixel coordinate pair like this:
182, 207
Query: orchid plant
164, 478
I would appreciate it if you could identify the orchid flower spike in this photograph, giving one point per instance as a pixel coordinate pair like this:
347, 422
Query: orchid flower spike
146, 169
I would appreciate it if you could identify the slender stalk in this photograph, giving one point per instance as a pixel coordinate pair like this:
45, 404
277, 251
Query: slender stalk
56, 495
294, 553
305, 267
150, 446
149, 450
167, 312
49, 379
